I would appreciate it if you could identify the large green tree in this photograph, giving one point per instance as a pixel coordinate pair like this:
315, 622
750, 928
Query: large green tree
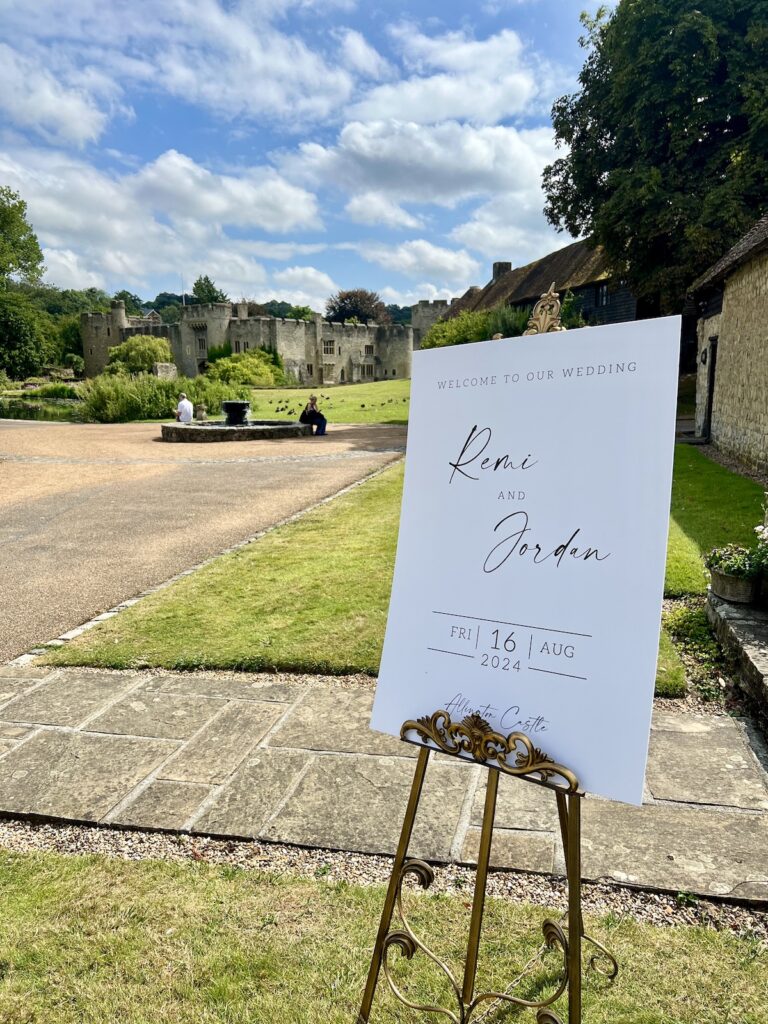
20, 253
204, 290
357, 304
667, 139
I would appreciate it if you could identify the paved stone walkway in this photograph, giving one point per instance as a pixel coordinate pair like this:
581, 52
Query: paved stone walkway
291, 759
92, 514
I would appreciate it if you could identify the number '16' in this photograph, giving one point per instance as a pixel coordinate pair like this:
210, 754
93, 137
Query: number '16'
509, 643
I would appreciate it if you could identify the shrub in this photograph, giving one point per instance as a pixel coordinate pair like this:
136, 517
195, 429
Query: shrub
120, 399
734, 560
59, 390
258, 368
216, 352
5, 380
482, 324
139, 354
23, 344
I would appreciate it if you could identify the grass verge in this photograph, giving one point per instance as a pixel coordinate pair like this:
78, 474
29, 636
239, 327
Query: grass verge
377, 402
309, 597
86, 940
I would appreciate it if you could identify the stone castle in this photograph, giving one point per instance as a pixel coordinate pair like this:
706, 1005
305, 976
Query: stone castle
313, 352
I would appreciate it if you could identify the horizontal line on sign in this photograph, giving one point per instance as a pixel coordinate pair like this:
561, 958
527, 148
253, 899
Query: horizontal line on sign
522, 625
457, 653
550, 672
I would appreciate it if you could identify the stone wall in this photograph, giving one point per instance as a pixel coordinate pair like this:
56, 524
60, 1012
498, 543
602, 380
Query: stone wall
740, 401
424, 314
314, 352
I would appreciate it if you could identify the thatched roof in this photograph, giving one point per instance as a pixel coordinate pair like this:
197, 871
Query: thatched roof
755, 241
571, 267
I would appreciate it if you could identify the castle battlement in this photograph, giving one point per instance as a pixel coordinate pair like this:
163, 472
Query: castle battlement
314, 352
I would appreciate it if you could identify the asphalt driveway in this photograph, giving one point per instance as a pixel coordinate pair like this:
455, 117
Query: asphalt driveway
93, 514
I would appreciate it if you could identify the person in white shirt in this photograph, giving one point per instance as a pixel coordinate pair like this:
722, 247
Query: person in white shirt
184, 409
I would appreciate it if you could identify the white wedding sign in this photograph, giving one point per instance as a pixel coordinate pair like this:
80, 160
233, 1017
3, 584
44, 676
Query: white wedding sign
530, 561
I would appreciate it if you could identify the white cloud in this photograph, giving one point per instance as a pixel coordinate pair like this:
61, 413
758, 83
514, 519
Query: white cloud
420, 258
510, 227
376, 209
361, 57
230, 59
409, 297
304, 286
107, 228
31, 96
459, 78
63, 266
439, 164
180, 188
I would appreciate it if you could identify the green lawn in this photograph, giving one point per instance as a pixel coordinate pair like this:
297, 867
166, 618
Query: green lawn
380, 402
710, 506
88, 940
311, 596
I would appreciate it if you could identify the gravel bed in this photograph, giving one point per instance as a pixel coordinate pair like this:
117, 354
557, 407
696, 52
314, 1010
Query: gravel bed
361, 869
734, 464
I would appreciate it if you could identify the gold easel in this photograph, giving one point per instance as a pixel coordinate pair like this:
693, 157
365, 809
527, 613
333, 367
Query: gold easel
514, 754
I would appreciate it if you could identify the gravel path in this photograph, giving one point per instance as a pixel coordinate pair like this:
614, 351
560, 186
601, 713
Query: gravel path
358, 869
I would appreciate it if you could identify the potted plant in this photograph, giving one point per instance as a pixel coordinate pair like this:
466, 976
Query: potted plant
735, 573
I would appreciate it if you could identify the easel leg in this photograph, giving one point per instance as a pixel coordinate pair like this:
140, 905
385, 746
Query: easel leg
481, 879
389, 902
569, 812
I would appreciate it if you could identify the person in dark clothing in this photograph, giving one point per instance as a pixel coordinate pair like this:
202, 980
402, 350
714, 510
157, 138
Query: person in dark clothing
311, 414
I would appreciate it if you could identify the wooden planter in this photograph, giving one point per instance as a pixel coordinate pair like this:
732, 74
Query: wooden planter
735, 588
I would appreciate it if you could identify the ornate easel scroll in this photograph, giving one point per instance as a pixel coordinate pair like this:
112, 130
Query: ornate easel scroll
473, 739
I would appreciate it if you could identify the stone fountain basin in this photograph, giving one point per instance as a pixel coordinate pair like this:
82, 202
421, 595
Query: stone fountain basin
217, 430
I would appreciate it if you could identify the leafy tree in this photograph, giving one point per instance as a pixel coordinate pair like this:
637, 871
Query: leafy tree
170, 314
204, 290
667, 139
276, 308
399, 314
138, 354
364, 305
299, 313
20, 253
23, 348
132, 302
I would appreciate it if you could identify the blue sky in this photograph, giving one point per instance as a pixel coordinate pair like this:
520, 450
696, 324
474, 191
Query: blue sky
287, 148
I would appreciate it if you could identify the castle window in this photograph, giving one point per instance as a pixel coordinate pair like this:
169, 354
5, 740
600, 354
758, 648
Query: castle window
310, 370
237, 347
328, 348
201, 343
108, 332
601, 295
369, 350
328, 372
339, 349
367, 370
393, 373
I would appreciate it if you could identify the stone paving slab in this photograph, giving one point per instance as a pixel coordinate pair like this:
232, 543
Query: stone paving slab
165, 716
291, 759
68, 699
75, 775
523, 850
687, 849
727, 773
216, 752
163, 805
357, 803
331, 718
245, 687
